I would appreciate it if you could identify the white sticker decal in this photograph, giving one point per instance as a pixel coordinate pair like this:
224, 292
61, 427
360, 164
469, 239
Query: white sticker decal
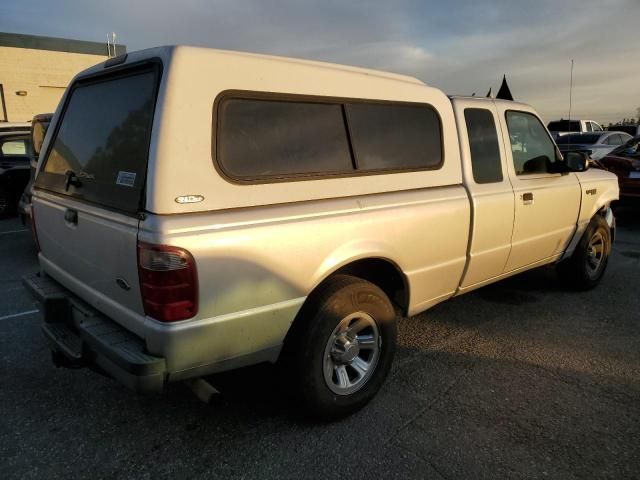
126, 179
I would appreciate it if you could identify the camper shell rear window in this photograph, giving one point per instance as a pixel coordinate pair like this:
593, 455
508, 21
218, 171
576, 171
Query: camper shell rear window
99, 150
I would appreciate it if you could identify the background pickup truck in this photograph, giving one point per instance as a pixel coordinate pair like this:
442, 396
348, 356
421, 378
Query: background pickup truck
199, 211
558, 128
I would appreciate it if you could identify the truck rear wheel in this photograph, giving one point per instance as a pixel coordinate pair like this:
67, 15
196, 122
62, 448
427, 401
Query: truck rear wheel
588, 262
345, 348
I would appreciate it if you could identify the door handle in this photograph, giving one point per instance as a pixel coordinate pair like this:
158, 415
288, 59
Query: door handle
527, 198
71, 216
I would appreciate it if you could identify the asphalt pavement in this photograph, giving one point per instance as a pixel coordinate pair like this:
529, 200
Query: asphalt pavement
521, 379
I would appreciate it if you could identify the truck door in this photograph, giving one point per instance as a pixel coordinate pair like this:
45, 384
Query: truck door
484, 170
546, 203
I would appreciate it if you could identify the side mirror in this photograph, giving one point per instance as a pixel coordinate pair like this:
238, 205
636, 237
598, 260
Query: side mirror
39, 126
576, 161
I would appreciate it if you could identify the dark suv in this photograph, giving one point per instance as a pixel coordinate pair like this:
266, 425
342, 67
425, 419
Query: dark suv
15, 149
624, 161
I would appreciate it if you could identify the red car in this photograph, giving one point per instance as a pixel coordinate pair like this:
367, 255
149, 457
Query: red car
624, 161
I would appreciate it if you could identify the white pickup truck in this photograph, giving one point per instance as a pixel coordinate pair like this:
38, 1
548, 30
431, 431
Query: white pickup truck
559, 128
198, 211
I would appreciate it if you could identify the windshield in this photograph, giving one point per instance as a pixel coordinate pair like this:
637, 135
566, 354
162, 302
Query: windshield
102, 142
629, 149
578, 139
564, 126
14, 146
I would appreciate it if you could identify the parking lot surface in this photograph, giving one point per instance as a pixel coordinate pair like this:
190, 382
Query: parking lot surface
521, 379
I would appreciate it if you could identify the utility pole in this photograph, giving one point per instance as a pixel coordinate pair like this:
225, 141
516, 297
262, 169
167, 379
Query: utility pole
570, 89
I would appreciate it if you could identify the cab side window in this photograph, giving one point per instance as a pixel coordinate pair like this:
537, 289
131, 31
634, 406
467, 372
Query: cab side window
532, 149
483, 145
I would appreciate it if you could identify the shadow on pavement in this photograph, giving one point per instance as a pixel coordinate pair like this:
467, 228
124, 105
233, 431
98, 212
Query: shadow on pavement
462, 414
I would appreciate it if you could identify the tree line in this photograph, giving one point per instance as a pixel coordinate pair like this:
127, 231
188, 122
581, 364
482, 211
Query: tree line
628, 121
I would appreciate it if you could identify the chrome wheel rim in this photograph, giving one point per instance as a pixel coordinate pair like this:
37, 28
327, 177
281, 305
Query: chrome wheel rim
596, 250
351, 353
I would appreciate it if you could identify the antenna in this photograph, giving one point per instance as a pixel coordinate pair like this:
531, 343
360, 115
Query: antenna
570, 91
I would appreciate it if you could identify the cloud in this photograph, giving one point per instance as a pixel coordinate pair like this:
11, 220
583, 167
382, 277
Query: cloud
461, 46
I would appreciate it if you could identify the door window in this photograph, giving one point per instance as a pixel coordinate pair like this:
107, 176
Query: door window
532, 149
483, 145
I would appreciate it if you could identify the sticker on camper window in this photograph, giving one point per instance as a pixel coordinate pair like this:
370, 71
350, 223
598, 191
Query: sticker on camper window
126, 179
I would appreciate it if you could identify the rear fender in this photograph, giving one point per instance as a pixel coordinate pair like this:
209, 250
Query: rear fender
352, 252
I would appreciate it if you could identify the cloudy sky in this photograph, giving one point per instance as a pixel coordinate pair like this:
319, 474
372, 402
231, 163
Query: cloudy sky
460, 46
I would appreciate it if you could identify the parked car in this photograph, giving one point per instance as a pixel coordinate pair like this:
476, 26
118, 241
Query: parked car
269, 209
39, 126
632, 130
559, 128
596, 145
624, 161
14, 169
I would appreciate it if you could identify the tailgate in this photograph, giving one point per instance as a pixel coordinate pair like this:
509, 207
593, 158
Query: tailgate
89, 191
84, 247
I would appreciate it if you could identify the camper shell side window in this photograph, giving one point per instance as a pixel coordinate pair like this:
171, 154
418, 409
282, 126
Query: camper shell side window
263, 138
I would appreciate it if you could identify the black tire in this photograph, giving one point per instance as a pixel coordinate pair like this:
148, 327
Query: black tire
342, 301
586, 266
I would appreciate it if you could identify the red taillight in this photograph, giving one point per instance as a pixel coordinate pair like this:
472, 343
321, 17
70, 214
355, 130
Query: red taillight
168, 282
32, 219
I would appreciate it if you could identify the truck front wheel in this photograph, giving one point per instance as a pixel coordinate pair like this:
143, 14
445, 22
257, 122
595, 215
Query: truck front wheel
586, 266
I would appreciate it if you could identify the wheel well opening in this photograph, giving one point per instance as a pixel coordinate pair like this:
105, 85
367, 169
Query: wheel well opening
385, 275
380, 272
